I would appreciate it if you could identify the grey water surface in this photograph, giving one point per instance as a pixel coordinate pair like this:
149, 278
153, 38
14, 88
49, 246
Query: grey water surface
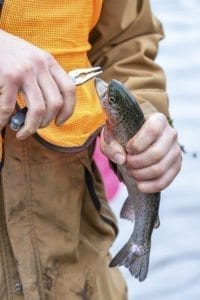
174, 272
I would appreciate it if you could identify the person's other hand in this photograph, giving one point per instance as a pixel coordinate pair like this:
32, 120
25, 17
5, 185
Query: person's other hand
152, 156
48, 91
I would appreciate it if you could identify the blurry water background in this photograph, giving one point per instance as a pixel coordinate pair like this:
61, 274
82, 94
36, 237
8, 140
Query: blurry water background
174, 272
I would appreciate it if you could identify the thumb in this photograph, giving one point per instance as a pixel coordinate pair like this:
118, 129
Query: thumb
113, 150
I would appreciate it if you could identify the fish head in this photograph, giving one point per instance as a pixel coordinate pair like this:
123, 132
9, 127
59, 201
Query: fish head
122, 111
109, 105
129, 111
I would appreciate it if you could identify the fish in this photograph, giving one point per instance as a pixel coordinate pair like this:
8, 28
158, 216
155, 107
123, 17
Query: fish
124, 118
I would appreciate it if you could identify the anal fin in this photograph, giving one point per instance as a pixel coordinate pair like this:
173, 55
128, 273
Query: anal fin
157, 222
127, 210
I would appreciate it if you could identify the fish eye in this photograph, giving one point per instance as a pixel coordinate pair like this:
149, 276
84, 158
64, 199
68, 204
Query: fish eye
111, 100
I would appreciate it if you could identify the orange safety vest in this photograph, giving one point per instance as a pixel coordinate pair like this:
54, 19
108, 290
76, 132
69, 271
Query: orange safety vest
61, 28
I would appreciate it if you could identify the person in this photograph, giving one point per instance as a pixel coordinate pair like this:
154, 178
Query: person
56, 227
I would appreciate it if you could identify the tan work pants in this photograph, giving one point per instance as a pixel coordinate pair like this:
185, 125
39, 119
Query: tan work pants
55, 227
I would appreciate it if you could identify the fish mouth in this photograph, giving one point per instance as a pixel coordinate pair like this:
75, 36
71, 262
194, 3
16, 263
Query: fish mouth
101, 88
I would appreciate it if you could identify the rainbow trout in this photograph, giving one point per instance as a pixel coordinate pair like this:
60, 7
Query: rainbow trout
123, 119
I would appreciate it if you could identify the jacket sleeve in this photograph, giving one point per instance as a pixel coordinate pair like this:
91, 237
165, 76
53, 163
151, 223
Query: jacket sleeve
125, 43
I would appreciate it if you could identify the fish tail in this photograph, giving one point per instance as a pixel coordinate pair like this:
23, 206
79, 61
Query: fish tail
134, 258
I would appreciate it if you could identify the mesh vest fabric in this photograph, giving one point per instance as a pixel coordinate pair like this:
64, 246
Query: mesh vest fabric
62, 29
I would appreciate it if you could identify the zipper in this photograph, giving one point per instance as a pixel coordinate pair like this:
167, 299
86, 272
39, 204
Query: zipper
96, 201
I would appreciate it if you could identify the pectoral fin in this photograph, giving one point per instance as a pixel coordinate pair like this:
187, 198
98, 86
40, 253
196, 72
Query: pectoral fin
107, 134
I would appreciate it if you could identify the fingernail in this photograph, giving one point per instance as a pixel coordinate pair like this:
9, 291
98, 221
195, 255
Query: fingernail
20, 137
119, 158
60, 123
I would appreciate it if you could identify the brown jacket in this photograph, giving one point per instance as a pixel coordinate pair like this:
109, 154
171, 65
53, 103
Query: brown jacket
125, 44
56, 227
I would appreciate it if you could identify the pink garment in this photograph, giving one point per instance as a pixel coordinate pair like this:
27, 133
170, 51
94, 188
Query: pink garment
110, 180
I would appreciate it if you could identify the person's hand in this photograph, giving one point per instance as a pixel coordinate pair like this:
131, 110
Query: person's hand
48, 90
152, 156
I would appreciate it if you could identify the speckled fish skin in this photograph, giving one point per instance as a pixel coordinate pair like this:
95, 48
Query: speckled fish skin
123, 119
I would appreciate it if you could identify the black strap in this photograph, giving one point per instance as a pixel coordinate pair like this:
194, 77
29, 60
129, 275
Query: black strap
96, 201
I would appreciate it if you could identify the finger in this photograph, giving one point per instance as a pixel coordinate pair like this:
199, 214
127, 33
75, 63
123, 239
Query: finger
114, 151
159, 169
148, 133
155, 152
67, 90
52, 97
8, 94
36, 109
157, 185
